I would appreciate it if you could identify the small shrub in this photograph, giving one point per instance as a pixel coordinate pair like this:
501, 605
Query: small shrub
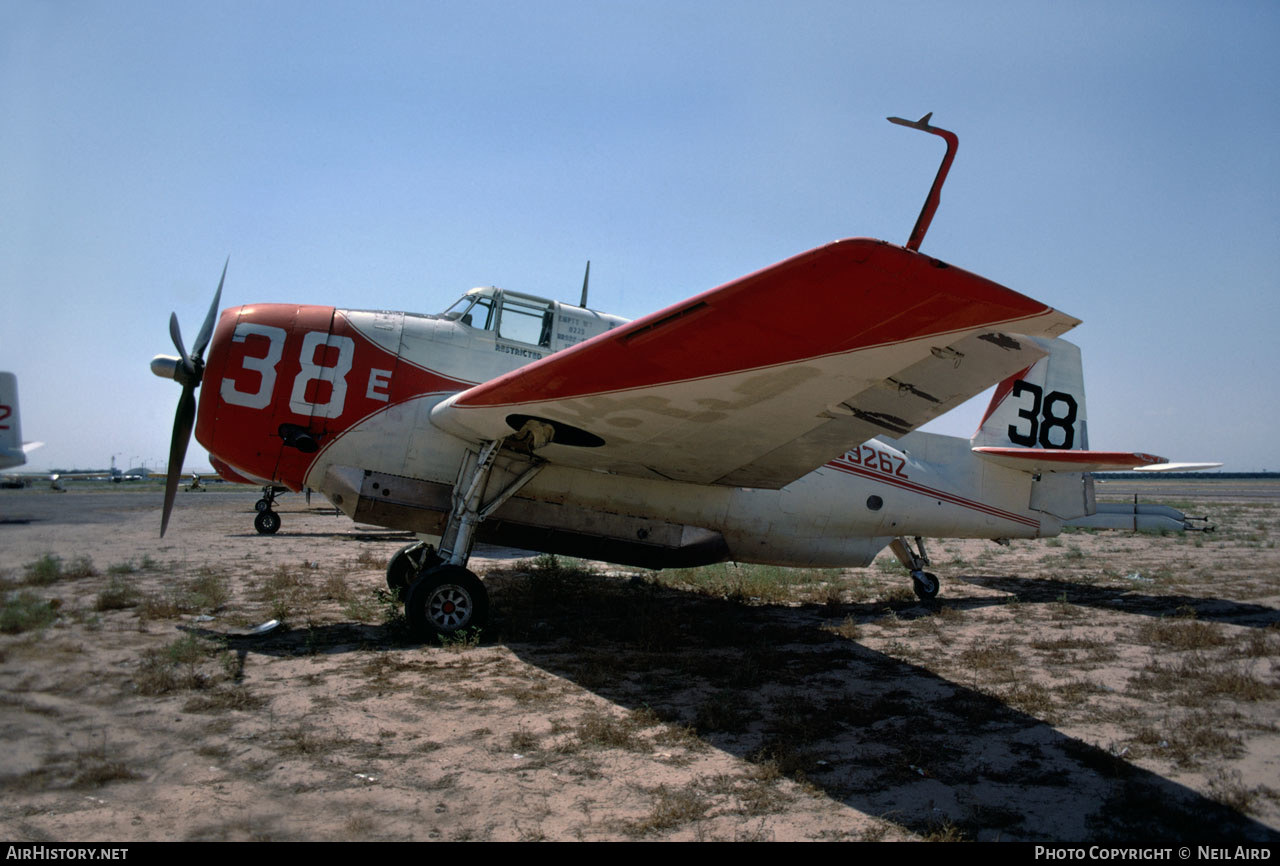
848, 629
26, 611
1182, 634
465, 639
208, 591
370, 559
602, 730
523, 741
50, 568
177, 667
363, 608
94, 769
726, 710
672, 807
118, 595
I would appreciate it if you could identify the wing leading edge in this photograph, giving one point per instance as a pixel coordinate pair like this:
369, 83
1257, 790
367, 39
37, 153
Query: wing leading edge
765, 378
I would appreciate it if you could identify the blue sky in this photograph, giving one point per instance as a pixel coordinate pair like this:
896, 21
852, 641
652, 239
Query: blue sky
1117, 160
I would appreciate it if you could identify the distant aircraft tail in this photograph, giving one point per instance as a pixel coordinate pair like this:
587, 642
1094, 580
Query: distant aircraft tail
11, 451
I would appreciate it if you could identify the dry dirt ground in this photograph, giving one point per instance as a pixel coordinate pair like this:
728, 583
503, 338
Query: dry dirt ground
1093, 688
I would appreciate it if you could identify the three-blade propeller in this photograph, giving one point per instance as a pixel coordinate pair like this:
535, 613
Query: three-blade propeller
187, 370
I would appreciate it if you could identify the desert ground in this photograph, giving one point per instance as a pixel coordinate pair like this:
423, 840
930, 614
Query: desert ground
1095, 688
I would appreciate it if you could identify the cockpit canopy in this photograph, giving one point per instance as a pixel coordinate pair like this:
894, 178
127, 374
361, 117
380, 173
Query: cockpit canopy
510, 315
533, 321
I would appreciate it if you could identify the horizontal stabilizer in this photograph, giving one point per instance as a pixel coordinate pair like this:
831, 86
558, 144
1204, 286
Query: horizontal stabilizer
1039, 460
1176, 467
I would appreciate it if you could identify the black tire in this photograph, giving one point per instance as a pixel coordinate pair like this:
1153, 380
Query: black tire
262, 505
400, 569
267, 522
926, 585
446, 600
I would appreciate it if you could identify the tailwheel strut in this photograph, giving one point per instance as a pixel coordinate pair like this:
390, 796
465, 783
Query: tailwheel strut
925, 583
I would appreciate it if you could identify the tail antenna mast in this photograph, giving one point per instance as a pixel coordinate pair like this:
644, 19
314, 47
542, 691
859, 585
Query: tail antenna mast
586, 278
935, 191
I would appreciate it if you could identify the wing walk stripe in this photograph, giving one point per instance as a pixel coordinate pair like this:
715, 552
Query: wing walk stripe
853, 469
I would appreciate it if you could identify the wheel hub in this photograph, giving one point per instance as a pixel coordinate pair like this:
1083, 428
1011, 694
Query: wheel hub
449, 607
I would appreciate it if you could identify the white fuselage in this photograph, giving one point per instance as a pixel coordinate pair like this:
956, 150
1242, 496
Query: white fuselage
841, 514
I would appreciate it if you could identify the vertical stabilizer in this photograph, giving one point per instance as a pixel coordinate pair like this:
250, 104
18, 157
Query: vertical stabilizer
11, 453
1041, 406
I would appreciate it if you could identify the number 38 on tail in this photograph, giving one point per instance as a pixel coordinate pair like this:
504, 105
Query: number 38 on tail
734, 425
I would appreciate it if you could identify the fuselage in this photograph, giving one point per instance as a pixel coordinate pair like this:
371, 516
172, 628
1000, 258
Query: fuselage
340, 401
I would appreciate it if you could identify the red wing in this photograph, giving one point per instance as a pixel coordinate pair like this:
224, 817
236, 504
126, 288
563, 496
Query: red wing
766, 378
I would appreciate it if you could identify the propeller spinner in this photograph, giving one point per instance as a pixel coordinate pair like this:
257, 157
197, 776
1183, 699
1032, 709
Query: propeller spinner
187, 370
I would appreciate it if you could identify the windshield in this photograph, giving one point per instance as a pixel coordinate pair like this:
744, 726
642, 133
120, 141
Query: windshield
475, 311
458, 307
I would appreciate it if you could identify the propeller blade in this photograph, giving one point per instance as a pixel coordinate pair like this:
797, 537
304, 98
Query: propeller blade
175, 333
206, 330
183, 421
189, 375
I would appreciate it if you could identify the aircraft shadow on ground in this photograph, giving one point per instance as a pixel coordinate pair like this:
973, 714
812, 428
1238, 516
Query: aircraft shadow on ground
778, 687
1045, 590
345, 534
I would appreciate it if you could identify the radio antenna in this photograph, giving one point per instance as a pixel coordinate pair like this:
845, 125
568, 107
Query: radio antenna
930, 203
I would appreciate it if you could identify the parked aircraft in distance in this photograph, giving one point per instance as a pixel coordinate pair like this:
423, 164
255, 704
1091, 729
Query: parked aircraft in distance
770, 420
13, 451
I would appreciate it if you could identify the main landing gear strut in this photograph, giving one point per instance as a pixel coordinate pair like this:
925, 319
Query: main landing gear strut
441, 597
925, 583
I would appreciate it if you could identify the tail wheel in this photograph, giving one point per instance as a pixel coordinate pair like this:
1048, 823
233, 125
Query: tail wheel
444, 601
267, 522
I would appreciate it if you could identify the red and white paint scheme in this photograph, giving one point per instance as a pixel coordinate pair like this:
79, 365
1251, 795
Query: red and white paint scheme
737, 425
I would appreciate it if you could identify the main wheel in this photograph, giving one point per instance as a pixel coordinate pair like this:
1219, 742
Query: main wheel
267, 522
262, 505
926, 585
446, 600
401, 571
